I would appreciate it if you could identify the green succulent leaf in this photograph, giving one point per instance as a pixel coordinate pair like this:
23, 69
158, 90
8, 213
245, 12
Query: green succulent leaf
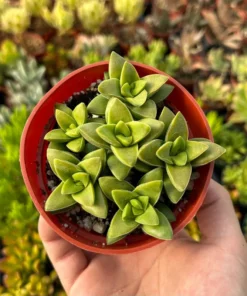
80, 113
110, 88
88, 131
173, 194
64, 120
58, 201
179, 175
136, 204
164, 152
115, 65
123, 197
178, 127
57, 135
92, 166
148, 110
53, 154
213, 152
117, 111
166, 117
107, 184
125, 90
64, 108
195, 149
64, 169
118, 227
144, 200
127, 155
73, 133
166, 211
154, 83
153, 175
139, 131
70, 187
81, 177
101, 153
142, 167
110, 241
136, 212
157, 128
128, 213
128, 74
76, 145
98, 105
151, 189
100, 207
162, 231
138, 100
162, 93
86, 197
137, 87
125, 141
147, 153
118, 169
178, 146
122, 128
149, 217
107, 133
180, 159
97, 120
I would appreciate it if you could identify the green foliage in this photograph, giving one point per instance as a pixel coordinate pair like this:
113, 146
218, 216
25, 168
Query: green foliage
217, 60
26, 83
227, 136
129, 11
235, 177
93, 15
155, 57
4, 115
9, 53
239, 104
60, 18
239, 67
214, 90
14, 20
35, 7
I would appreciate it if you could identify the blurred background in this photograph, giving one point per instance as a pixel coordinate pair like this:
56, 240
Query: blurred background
201, 43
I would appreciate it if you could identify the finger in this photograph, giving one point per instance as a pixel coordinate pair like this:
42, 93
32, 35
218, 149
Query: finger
68, 260
216, 218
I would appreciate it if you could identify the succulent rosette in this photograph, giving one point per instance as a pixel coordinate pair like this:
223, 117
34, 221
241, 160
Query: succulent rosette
116, 150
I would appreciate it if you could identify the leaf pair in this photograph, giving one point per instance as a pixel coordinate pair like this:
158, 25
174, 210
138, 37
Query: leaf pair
136, 206
69, 122
78, 182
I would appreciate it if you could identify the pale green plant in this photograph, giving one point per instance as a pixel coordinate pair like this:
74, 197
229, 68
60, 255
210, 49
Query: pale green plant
239, 67
93, 15
59, 18
15, 20
128, 11
217, 60
35, 7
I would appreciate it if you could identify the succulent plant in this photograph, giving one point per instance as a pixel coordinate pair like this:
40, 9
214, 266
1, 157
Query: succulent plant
139, 94
91, 20
71, 4
4, 114
216, 122
128, 11
217, 60
35, 7
69, 122
59, 18
26, 83
137, 207
239, 67
62, 74
239, 104
214, 90
14, 20
117, 139
9, 53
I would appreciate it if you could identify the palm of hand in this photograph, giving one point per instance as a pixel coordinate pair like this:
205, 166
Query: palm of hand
215, 266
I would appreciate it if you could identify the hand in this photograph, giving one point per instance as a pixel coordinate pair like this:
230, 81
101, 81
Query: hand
217, 266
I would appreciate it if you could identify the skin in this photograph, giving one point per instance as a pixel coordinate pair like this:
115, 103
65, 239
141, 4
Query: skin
215, 266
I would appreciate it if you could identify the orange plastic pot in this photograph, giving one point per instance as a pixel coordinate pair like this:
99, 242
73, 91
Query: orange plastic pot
33, 159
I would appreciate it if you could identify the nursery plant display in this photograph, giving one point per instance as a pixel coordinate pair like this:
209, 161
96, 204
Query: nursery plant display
202, 44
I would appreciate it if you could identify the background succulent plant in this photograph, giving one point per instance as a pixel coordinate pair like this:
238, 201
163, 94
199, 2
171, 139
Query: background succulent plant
122, 139
128, 11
